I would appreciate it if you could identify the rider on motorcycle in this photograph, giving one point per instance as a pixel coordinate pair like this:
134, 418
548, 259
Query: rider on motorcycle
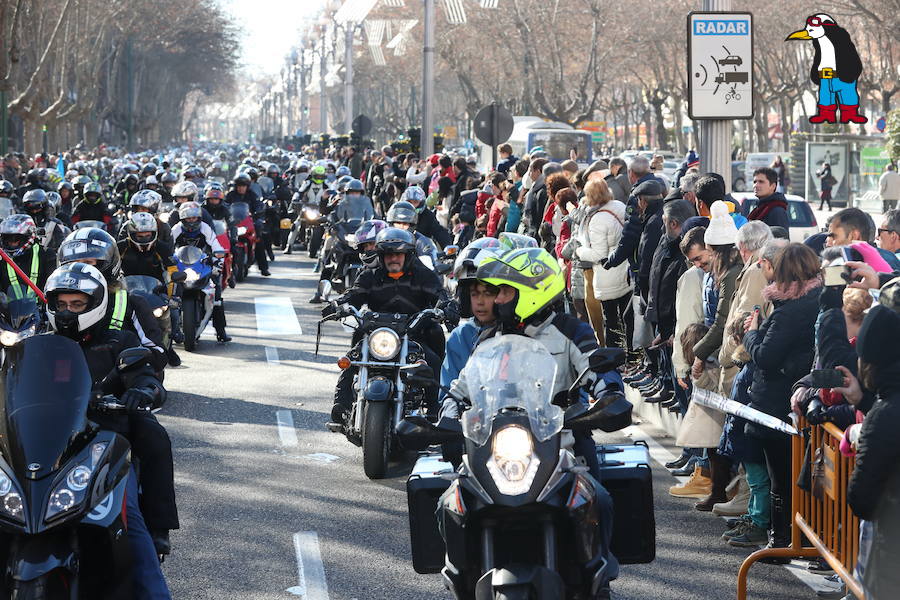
77, 302
186, 191
36, 204
531, 286
354, 205
97, 248
148, 201
312, 191
426, 223
192, 231
142, 251
17, 238
404, 215
92, 207
399, 284
366, 236
242, 193
130, 186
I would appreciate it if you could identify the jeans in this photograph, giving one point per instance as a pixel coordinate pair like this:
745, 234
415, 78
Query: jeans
834, 91
758, 480
149, 583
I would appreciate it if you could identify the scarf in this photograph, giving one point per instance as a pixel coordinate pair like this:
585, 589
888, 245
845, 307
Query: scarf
763, 208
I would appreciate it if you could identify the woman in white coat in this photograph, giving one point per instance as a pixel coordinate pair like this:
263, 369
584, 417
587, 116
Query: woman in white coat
599, 235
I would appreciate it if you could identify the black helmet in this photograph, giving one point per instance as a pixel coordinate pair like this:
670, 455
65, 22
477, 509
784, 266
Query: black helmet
76, 277
402, 212
148, 169
131, 180
33, 177
273, 171
95, 244
241, 179
393, 240
35, 203
65, 185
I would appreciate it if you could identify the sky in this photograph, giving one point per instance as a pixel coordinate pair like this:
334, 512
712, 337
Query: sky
270, 29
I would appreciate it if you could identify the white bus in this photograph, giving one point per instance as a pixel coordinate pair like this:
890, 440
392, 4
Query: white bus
555, 138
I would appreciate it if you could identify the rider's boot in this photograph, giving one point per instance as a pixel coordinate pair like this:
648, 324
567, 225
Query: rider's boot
292, 237
321, 294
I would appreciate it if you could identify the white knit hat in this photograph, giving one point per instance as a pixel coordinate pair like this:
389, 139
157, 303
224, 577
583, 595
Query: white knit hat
721, 230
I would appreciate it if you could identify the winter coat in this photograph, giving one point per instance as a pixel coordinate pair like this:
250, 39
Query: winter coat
460, 344
874, 489
688, 310
713, 339
748, 293
650, 235
776, 215
666, 268
631, 234
599, 235
428, 226
734, 443
782, 348
619, 186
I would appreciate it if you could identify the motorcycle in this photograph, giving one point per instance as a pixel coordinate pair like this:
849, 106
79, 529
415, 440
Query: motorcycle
311, 226
519, 517
245, 250
383, 395
97, 224
223, 235
198, 293
343, 255
62, 478
20, 318
154, 292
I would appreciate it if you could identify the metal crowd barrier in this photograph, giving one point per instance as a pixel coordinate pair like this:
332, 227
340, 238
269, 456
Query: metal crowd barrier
823, 526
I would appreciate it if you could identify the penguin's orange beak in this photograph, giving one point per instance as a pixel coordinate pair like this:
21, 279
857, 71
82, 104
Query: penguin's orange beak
799, 35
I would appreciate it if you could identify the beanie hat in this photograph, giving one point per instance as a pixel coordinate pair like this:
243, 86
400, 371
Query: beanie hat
877, 340
722, 230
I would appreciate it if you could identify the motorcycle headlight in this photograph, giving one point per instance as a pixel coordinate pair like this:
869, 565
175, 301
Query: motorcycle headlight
384, 343
11, 338
160, 311
311, 213
241, 231
72, 491
191, 275
513, 464
11, 504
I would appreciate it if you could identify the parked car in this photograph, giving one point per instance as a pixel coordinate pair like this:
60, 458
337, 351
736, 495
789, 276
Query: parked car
800, 215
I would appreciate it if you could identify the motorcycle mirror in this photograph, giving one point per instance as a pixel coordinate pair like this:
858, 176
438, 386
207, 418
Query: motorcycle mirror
451, 250
179, 276
443, 268
130, 358
610, 413
418, 433
606, 359
417, 374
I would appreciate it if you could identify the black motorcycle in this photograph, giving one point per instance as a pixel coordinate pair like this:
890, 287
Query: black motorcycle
20, 316
343, 256
62, 478
385, 357
519, 517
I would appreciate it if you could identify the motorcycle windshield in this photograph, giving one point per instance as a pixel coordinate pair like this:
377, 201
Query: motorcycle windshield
220, 227
240, 211
510, 371
6, 207
46, 389
19, 307
141, 283
189, 255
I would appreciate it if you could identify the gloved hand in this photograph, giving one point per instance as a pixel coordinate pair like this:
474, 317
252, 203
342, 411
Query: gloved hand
135, 399
817, 413
451, 311
333, 308
604, 262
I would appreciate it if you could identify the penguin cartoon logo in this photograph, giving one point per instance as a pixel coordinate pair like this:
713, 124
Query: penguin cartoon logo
835, 69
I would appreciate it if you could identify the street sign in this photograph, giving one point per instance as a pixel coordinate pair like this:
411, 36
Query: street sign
720, 65
493, 126
881, 124
451, 132
362, 125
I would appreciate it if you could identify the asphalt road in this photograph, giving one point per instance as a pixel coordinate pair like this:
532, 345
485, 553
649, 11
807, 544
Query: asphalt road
247, 486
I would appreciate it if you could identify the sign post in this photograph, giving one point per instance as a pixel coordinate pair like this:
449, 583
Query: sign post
493, 126
720, 79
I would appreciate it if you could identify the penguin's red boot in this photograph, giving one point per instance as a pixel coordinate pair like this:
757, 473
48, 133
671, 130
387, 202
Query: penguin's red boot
850, 114
826, 114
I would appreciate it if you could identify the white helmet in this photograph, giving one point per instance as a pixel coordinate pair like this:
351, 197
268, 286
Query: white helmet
185, 189
139, 223
413, 194
71, 278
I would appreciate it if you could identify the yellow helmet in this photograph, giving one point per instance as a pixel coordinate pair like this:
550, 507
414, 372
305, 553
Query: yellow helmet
533, 272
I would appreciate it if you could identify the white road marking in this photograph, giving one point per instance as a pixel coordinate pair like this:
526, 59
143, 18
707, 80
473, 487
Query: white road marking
286, 432
275, 316
272, 355
661, 455
322, 457
311, 583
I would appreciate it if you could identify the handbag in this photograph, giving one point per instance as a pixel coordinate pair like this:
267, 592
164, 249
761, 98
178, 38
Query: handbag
823, 477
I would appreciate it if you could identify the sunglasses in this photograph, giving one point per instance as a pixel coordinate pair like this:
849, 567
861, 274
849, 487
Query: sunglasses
880, 231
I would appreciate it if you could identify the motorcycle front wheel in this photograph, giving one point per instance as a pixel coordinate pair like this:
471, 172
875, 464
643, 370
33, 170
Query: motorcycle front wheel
189, 323
239, 264
513, 595
315, 241
376, 444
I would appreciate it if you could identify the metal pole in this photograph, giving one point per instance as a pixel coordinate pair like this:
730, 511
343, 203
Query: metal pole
494, 135
129, 70
427, 135
303, 100
715, 135
348, 77
323, 100
4, 121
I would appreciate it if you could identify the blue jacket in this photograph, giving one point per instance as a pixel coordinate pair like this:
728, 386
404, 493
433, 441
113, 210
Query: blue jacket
460, 344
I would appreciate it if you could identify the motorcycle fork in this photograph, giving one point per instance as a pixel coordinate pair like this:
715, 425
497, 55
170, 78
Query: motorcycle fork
487, 547
401, 388
361, 382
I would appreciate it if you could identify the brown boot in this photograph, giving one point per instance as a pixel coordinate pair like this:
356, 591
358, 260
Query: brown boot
698, 486
720, 471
